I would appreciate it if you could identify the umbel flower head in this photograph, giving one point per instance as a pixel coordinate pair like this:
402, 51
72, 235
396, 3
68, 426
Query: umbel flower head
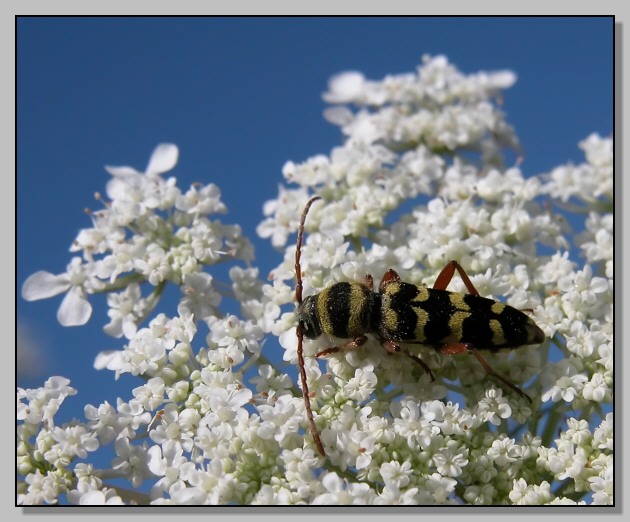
423, 176
148, 231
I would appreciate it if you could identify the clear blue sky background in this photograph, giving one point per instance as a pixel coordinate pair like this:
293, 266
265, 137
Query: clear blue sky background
240, 97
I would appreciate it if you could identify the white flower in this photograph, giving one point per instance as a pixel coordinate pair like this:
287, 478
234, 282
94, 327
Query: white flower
481, 495
605, 352
589, 181
567, 384
151, 394
281, 420
275, 496
120, 255
597, 241
339, 492
147, 352
165, 461
225, 406
437, 489
134, 193
407, 423
103, 421
504, 451
493, 407
360, 386
203, 242
567, 461
596, 389
396, 474
300, 467
43, 403
584, 295
577, 431
131, 461
207, 484
72, 441
558, 266
532, 495
201, 299
106, 497
450, 460
245, 283
381, 429
77, 282
90, 491
603, 434
205, 201
286, 211
132, 415
603, 486
270, 380
43, 488
355, 447
231, 331
155, 266
125, 310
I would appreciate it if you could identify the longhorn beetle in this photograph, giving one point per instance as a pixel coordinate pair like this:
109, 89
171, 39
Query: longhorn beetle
450, 322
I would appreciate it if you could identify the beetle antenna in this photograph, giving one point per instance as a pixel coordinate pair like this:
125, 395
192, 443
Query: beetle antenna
305, 392
300, 332
298, 251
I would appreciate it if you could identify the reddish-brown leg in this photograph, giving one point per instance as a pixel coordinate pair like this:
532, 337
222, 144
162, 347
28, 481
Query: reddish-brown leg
393, 347
457, 348
389, 345
447, 273
390, 276
350, 345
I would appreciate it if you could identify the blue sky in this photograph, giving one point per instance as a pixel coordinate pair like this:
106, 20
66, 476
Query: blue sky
240, 97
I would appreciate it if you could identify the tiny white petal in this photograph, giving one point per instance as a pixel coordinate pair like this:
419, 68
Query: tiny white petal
103, 359
155, 462
503, 79
42, 285
75, 310
163, 159
344, 87
121, 172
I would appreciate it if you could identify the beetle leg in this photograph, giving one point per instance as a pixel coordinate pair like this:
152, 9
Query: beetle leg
457, 348
447, 273
393, 347
350, 345
390, 276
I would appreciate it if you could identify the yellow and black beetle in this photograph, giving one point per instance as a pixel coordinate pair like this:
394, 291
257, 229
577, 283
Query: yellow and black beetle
404, 313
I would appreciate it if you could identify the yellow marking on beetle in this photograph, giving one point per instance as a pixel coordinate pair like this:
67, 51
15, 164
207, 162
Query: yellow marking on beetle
359, 295
423, 294
423, 318
456, 326
323, 311
458, 301
498, 338
392, 288
390, 319
497, 308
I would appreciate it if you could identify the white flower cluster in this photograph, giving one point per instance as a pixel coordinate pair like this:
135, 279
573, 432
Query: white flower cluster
418, 181
148, 231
